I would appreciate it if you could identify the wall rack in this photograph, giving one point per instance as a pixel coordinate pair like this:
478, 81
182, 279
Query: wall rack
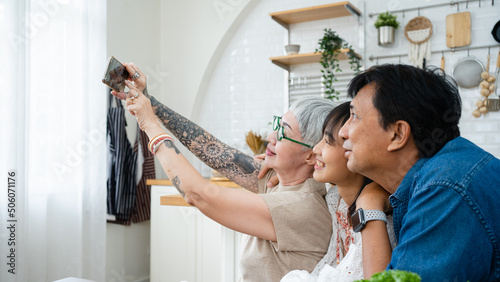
451, 4
371, 58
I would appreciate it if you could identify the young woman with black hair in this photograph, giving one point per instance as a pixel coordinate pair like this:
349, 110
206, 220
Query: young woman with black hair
345, 259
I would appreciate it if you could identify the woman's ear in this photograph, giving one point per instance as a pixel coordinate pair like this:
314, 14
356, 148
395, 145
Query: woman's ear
311, 158
401, 134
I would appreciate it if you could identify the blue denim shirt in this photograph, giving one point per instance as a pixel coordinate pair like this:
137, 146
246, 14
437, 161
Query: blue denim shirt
447, 216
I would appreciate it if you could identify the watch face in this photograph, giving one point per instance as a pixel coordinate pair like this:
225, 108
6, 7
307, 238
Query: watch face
357, 220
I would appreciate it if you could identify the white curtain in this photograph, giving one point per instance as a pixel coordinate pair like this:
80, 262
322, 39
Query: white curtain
53, 140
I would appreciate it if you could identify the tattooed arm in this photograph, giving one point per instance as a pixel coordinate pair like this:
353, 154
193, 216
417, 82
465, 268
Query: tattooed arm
233, 164
237, 209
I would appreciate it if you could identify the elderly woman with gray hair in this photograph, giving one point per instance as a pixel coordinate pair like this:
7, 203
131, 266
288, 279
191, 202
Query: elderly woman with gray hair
289, 225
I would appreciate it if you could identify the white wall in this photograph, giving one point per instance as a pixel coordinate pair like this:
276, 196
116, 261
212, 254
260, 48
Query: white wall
194, 36
133, 29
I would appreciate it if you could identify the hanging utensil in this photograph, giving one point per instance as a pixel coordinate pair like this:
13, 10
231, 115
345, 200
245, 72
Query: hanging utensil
458, 30
467, 72
488, 62
493, 104
442, 62
496, 32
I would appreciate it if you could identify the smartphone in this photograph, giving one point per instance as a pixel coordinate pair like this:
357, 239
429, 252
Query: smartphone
115, 75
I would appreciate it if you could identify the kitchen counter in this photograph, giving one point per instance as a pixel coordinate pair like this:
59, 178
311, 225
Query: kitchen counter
178, 200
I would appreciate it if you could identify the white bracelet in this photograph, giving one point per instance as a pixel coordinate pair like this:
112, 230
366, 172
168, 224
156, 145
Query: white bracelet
157, 145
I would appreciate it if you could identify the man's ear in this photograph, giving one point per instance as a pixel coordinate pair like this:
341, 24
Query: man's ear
401, 134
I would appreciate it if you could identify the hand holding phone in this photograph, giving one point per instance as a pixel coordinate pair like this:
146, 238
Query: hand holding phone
115, 75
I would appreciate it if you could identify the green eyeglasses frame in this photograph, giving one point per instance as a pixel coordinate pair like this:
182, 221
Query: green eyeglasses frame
281, 132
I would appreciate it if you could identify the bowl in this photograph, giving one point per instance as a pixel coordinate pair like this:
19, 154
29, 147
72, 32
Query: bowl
292, 49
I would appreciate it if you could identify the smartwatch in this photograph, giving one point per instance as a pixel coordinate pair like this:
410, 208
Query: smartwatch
361, 217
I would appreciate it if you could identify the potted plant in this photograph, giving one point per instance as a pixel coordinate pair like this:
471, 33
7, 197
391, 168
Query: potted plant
331, 46
386, 24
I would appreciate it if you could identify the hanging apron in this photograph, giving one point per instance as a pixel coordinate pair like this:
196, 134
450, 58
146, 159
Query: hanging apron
122, 161
143, 199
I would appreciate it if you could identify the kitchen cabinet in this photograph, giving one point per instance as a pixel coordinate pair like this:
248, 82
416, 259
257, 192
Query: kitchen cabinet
285, 18
185, 244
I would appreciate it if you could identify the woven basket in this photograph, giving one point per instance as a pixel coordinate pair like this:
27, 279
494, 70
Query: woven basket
418, 30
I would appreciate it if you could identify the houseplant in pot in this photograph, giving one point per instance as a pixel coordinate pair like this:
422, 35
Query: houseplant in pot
330, 46
386, 24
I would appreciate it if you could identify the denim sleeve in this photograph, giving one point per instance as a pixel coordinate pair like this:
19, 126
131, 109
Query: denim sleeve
441, 237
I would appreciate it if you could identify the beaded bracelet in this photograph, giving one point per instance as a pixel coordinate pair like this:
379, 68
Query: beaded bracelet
161, 141
156, 141
153, 140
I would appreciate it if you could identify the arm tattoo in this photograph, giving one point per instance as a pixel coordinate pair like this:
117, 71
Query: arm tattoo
177, 184
171, 145
233, 164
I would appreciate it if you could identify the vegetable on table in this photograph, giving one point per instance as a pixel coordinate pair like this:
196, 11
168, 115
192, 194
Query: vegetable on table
393, 276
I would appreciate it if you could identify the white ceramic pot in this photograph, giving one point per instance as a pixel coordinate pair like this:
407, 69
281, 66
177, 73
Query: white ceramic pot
385, 35
292, 49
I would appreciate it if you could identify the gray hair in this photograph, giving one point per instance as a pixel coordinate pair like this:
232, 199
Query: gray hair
311, 113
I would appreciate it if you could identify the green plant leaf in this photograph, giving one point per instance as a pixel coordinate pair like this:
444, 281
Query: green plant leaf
330, 45
386, 19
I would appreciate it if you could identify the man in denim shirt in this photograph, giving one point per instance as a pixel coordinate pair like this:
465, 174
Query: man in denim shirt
403, 134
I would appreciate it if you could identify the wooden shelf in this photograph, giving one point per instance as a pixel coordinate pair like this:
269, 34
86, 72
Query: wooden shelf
321, 12
173, 200
306, 58
334, 10
166, 182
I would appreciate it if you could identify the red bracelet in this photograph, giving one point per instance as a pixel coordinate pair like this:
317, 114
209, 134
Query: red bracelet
154, 143
159, 142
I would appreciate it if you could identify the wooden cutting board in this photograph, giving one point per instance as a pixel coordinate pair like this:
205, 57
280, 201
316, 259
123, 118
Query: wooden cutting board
458, 28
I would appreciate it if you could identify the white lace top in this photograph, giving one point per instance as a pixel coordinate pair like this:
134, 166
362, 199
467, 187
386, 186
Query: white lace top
343, 260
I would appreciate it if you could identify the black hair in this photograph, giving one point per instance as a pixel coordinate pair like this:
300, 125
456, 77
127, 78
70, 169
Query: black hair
427, 99
335, 120
352, 207
331, 126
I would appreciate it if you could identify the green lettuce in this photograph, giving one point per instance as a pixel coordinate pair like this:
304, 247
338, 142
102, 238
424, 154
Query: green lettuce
393, 276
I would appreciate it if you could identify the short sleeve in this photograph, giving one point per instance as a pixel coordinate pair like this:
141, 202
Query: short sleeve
262, 183
302, 222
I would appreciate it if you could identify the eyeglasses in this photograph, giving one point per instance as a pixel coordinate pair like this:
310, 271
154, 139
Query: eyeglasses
281, 132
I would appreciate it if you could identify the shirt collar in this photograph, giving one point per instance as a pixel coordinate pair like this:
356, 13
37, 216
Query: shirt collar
402, 193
